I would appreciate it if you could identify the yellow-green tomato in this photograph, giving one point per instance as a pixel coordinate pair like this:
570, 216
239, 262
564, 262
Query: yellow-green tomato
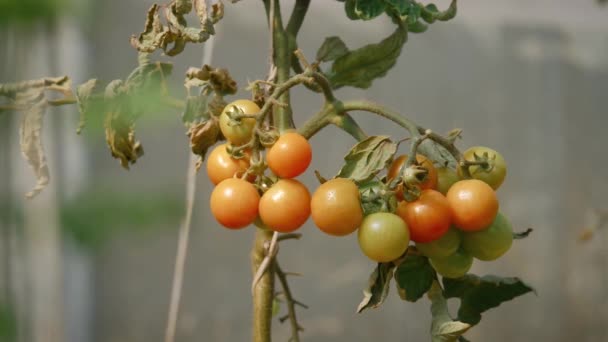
446, 245
383, 237
491, 243
453, 266
238, 133
496, 172
446, 177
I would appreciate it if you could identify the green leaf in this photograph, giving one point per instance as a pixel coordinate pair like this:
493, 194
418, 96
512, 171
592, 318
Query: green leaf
360, 67
443, 328
377, 290
430, 13
400, 6
367, 158
331, 49
522, 235
364, 9
414, 277
479, 294
417, 27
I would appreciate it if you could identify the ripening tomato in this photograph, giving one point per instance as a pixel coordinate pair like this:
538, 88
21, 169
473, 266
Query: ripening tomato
290, 155
495, 174
428, 217
492, 242
241, 133
234, 203
383, 237
453, 266
429, 181
285, 207
474, 204
221, 165
336, 207
446, 245
446, 177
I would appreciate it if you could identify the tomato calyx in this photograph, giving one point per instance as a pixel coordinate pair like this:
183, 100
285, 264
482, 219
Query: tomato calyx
236, 115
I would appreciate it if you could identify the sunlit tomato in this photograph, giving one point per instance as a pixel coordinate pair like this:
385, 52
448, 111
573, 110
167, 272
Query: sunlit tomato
383, 237
490, 243
285, 207
497, 171
453, 266
446, 245
446, 177
220, 165
429, 182
241, 133
290, 155
234, 203
336, 207
474, 204
428, 217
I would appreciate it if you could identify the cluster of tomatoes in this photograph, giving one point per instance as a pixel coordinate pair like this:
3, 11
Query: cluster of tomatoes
452, 219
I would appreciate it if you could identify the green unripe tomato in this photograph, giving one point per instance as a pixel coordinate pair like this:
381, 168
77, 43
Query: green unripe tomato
383, 237
453, 266
446, 245
495, 175
242, 132
446, 177
491, 243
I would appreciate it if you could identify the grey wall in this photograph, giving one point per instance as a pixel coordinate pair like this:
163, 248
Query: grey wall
528, 78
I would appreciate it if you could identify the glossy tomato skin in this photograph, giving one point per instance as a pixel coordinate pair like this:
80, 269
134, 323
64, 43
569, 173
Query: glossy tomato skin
446, 177
445, 246
336, 207
491, 243
234, 203
494, 177
430, 181
453, 266
474, 204
239, 134
428, 217
383, 237
285, 207
290, 155
221, 165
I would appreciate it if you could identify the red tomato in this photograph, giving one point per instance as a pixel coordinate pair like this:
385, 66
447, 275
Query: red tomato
428, 217
474, 204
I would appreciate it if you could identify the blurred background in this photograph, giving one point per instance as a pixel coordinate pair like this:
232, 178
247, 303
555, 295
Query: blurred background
91, 258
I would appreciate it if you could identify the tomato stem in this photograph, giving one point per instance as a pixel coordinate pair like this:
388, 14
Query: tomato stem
263, 292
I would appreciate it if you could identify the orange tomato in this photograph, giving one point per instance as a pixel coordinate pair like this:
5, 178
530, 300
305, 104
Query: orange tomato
234, 203
474, 204
429, 182
290, 155
285, 207
336, 207
220, 165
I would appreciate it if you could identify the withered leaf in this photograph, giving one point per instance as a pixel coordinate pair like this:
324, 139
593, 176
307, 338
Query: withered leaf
202, 136
33, 103
86, 103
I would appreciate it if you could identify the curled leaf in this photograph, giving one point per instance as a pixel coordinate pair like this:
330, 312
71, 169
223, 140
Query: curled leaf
443, 328
367, 158
331, 49
86, 101
414, 277
378, 286
202, 136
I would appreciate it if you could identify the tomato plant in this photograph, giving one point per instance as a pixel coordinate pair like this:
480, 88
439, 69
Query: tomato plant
221, 165
492, 242
336, 207
290, 155
428, 217
285, 207
446, 245
474, 204
238, 131
260, 188
383, 237
234, 203
493, 168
